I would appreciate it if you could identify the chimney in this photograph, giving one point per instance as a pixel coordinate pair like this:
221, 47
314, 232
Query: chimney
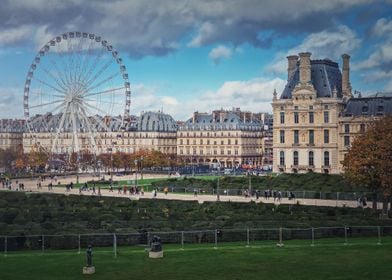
304, 67
291, 65
346, 85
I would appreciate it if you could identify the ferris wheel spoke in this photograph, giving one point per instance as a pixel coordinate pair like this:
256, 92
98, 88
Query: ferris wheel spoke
50, 86
62, 119
94, 64
99, 73
106, 102
89, 128
100, 123
107, 79
55, 79
59, 73
113, 90
86, 60
95, 108
46, 104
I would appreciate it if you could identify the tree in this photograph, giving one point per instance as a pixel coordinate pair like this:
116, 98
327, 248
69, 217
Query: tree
369, 160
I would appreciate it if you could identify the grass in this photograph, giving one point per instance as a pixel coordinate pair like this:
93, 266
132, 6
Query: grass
296, 260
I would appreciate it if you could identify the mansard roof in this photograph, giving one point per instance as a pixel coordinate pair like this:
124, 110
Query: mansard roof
325, 76
156, 121
374, 105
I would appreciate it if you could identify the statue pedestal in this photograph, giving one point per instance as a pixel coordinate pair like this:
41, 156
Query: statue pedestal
155, 255
89, 270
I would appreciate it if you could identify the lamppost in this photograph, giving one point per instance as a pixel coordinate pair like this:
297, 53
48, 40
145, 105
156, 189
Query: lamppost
217, 186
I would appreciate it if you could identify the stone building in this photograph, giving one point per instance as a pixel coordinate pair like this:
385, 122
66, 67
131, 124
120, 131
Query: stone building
223, 138
316, 117
306, 115
150, 131
358, 114
11, 133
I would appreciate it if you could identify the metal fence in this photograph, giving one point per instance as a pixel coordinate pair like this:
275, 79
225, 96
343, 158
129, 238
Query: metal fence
114, 242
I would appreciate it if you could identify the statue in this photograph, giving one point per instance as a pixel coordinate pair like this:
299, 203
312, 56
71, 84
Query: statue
89, 253
89, 268
156, 244
156, 247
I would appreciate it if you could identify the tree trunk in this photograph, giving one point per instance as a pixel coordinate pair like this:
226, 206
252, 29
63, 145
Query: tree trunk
375, 201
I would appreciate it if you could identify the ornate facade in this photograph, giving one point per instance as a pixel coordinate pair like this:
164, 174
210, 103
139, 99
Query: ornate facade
223, 138
316, 116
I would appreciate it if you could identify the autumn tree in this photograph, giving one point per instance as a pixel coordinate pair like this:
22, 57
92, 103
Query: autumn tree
369, 160
38, 157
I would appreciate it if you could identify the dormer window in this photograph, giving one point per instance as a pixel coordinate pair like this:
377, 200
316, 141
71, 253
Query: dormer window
365, 109
380, 108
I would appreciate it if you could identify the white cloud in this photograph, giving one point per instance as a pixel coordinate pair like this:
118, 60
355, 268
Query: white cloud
382, 28
382, 55
11, 97
15, 35
220, 52
330, 44
254, 95
142, 28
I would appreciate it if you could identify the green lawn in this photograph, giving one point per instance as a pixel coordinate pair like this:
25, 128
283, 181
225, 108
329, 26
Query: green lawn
294, 261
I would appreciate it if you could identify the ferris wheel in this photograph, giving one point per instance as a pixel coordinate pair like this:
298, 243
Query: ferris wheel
76, 88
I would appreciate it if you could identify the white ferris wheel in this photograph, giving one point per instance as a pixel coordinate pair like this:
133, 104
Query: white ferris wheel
76, 88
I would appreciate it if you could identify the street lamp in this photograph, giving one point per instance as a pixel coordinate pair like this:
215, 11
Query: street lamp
217, 186
141, 168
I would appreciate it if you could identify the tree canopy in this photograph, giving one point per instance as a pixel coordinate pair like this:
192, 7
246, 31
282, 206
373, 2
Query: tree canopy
369, 160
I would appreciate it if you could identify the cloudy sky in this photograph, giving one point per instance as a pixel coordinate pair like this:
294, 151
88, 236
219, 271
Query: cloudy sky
185, 56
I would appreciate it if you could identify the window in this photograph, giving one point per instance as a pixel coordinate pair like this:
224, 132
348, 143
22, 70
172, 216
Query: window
181, 152
194, 141
236, 142
215, 152
311, 137
346, 140
311, 117
282, 137
346, 128
281, 117
222, 142
311, 158
208, 142
281, 158
236, 152
326, 158
222, 152
201, 141
296, 136
181, 141
362, 127
187, 141
311, 107
326, 136
326, 116
229, 142
296, 117
229, 152
194, 151
295, 158
201, 152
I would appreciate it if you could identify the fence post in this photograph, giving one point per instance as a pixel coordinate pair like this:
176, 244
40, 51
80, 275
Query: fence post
280, 244
78, 244
148, 239
337, 198
345, 235
182, 240
379, 235
247, 237
216, 239
5, 246
115, 245
43, 244
312, 237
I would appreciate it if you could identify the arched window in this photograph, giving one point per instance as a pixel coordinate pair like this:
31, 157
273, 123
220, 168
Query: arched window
311, 158
295, 158
281, 158
326, 158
